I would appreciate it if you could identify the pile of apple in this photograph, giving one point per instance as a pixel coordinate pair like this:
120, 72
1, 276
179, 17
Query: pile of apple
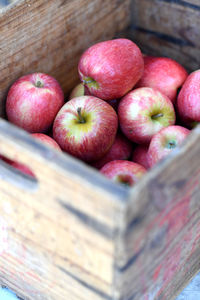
121, 118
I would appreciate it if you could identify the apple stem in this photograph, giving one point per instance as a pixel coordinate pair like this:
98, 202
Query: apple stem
39, 84
171, 145
157, 116
81, 119
90, 82
87, 81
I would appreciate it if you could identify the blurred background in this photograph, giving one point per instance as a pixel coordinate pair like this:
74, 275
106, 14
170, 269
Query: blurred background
6, 2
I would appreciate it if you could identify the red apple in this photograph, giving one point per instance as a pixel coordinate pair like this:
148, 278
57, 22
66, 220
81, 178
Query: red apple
188, 102
165, 141
120, 149
86, 127
33, 102
47, 140
143, 112
123, 171
164, 74
140, 155
77, 91
110, 69
80, 90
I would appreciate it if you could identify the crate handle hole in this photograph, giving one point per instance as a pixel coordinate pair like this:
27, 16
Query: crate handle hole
17, 174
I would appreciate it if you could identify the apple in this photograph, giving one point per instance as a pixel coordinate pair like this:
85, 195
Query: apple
143, 112
81, 90
123, 171
47, 140
86, 127
110, 69
188, 102
33, 102
165, 141
120, 150
140, 155
164, 74
77, 91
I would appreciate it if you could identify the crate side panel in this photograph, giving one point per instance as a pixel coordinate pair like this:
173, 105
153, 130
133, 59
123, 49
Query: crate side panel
162, 230
167, 28
50, 36
66, 181
60, 216
52, 255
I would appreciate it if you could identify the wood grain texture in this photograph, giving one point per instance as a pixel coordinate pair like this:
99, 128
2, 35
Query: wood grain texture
193, 2
48, 234
168, 28
49, 36
162, 233
145, 245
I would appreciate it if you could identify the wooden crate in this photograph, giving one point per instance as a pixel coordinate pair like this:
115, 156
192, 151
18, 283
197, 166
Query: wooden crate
72, 234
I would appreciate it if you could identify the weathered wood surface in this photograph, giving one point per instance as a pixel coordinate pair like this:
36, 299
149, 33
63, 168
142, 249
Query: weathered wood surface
168, 28
64, 224
49, 36
63, 251
159, 251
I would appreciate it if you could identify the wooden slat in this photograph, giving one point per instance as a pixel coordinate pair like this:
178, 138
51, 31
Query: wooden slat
51, 258
168, 28
173, 289
156, 16
78, 229
72, 181
193, 2
49, 36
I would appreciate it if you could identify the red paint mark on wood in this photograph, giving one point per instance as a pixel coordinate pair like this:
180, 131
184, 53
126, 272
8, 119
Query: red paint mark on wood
176, 218
171, 264
157, 272
33, 275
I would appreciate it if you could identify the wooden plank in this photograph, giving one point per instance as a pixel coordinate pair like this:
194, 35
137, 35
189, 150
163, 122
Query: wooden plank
187, 3
156, 16
43, 259
194, 2
50, 36
72, 181
66, 186
179, 40
188, 271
